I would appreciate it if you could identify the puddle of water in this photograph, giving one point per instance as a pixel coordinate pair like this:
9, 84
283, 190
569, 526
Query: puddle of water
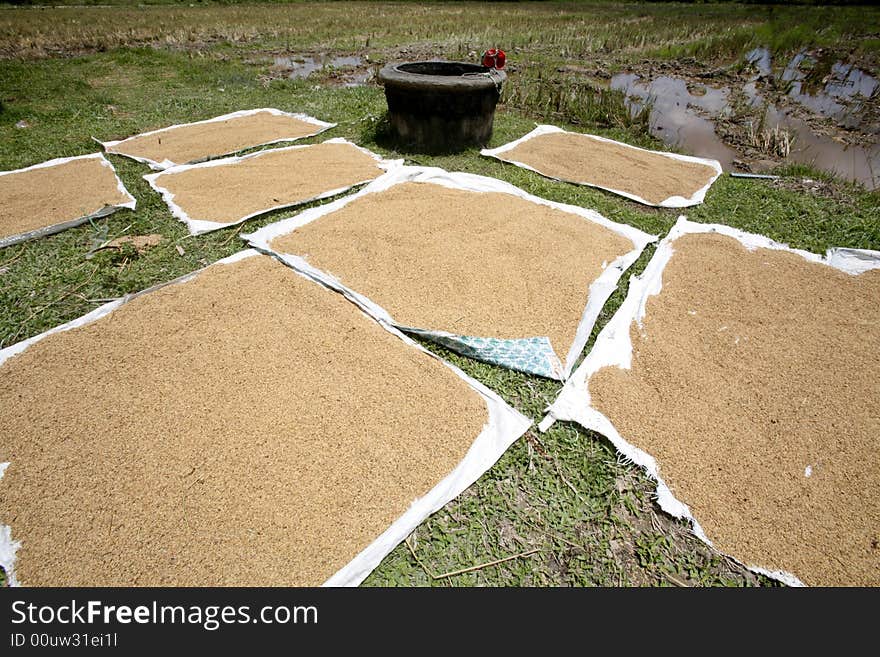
358, 79
860, 163
750, 89
833, 90
302, 67
675, 113
760, 58
820, 102
847, 81
684, 119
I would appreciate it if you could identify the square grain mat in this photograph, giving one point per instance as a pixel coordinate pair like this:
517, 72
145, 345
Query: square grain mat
650, 177
193, 142
49, 197
753, 384
224, 192
245, 427
445, 258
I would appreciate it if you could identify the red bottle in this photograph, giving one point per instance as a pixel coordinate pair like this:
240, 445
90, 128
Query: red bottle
494, 58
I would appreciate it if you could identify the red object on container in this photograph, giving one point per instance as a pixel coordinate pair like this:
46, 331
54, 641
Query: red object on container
494, 58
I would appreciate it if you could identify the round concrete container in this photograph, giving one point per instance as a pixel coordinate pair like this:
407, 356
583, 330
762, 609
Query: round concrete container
439, 107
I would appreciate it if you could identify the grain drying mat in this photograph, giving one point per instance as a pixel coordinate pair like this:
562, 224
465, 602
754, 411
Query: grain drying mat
666, 180
243, 426
742, 375
188, 143
225, 192
47, 198
469, 262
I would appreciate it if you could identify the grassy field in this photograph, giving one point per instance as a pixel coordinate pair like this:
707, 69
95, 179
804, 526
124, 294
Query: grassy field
560, 503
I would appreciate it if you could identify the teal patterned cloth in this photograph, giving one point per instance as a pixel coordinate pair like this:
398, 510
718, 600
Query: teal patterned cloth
529, 355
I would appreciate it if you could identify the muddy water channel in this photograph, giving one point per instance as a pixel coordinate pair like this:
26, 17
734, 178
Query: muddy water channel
821, 113
678, 116
352, 72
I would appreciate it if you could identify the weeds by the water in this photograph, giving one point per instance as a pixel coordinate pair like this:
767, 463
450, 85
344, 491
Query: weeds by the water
579, 102
775, 141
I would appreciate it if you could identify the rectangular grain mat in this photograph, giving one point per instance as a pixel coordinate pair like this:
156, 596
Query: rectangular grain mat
241, 426
189, 143
742, 375
47, 198
470, 262
666, 180
225, 192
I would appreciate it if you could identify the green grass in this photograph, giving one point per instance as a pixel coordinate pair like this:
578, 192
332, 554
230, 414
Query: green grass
559, 503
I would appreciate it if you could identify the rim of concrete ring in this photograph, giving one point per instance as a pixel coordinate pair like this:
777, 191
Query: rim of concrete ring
477, 81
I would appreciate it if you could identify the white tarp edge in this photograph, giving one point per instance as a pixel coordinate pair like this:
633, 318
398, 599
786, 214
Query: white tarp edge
131, 203
613, 348
504, 427
599, 291
671, 202
320, 126
200, 226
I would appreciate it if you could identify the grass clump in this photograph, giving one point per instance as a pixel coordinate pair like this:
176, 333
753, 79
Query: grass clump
577, 102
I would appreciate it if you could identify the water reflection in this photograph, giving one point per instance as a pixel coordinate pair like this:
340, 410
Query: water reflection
684, 116
678, 114
299, 68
